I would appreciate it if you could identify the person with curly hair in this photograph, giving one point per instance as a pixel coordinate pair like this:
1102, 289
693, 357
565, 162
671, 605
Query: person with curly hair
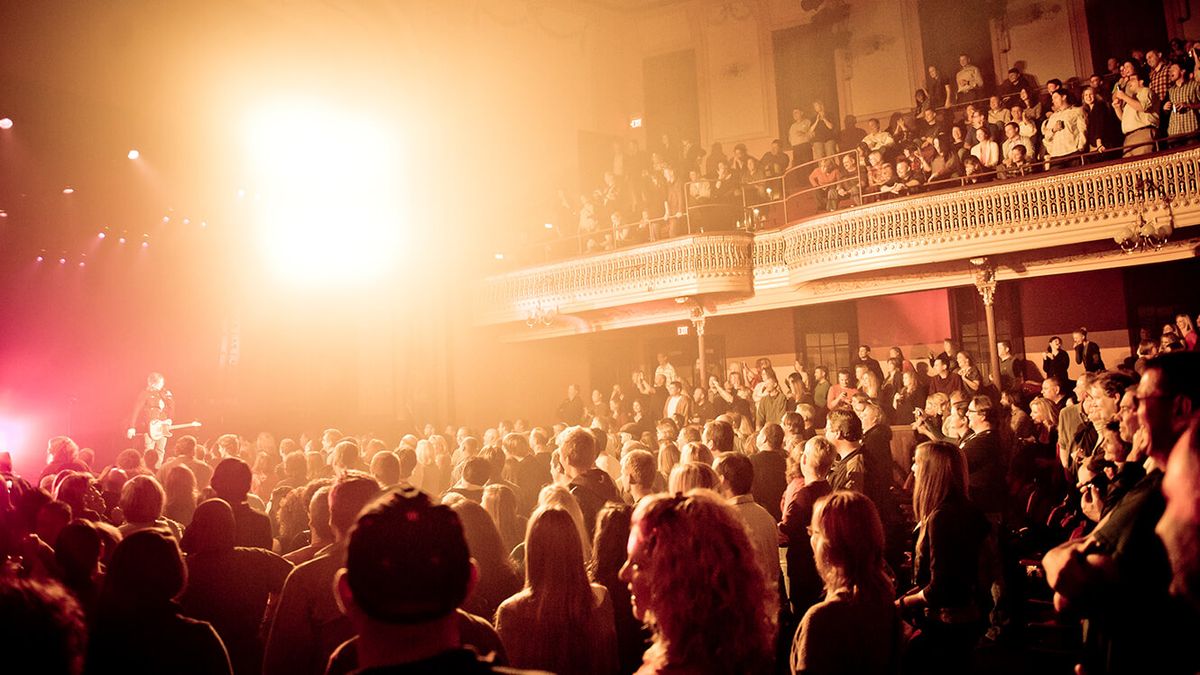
713, 614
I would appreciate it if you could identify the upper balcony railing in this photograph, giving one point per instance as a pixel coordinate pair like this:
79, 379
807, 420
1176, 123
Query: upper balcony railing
1090, 200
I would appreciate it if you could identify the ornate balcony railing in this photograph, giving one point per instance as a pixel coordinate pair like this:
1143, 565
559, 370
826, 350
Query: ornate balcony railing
1031, 214
698, 265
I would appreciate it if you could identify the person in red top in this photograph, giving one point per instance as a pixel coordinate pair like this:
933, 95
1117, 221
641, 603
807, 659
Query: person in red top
841, 392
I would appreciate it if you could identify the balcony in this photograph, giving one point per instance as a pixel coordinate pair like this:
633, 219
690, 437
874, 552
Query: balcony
1065, 214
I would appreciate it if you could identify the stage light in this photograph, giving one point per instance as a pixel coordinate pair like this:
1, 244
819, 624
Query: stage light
121, 240
3, 213
68, 190
40, 258
101, 235
635, 123
5, 123
329, 203
499, 256
62, 261
549, 226
145, 244
81, 263
187, 221
166, 219
133, 154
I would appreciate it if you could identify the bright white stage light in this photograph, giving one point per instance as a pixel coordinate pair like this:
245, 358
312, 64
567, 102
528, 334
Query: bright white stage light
332, 203
5, 123
133, 154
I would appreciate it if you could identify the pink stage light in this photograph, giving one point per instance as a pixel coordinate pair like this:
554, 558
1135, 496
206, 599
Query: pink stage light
145, 244
62, 261
40, 258
101, 235
5, 123
121, 240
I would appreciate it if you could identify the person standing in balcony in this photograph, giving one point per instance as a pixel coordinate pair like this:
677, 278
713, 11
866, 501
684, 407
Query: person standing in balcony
674, 210
1159, 79
1139, 116
1184, 98
1103, 127
1065, 129
822, 132
938, 88
800, 136
969, 80
1087, 352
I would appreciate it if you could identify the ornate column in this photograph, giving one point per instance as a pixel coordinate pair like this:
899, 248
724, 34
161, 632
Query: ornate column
985, 283
698, 323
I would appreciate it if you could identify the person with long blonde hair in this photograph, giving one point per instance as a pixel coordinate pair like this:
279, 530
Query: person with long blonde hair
559, 622
947, 600
856, 628
694, 579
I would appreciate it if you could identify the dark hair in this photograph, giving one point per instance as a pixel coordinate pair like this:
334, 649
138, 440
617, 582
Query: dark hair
1113, 383
609, 543
407, 559
477, 470
846, 423
737, 471
231, 480
213, 528
146, 570
44, 627
1179, 375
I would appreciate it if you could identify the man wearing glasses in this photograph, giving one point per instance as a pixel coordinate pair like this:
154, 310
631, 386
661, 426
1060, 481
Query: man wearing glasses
1119, 576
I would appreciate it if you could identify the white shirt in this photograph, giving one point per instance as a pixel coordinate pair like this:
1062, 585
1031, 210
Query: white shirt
666, 370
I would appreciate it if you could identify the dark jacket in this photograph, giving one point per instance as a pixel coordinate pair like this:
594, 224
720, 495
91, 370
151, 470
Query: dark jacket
946, 566
593, 488
849, 472
770, 480
805, 583
986, 469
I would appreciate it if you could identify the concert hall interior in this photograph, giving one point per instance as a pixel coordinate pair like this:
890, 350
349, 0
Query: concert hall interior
432, 228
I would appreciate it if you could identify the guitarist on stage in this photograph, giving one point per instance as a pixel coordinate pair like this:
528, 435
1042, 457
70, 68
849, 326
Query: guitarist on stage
153, 403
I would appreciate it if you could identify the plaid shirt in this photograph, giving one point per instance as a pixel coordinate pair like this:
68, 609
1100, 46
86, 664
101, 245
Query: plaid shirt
1160, 81
1183, 121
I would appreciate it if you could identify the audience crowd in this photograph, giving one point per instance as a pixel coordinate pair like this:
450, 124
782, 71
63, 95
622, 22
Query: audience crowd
959, 132
759, 525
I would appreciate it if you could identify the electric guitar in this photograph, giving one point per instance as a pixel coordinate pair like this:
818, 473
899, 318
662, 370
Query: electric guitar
160, 429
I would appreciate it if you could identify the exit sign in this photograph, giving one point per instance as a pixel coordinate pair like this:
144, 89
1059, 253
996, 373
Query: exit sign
681, 330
